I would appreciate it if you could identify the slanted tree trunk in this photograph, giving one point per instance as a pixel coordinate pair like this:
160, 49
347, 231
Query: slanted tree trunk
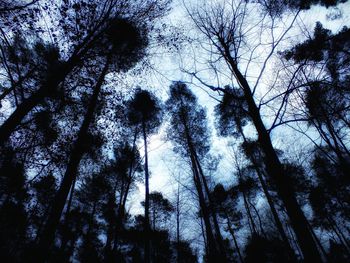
251, 222
249, 214
215, 250
211, 244
77, 152
230, 229
275, 170
65, 238
275, 215
214, 238
55, 77
259, 218
119, 222
111, 206
210, 206
48, 87
339, 234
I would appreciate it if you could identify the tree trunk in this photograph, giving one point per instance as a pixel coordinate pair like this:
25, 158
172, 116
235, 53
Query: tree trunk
211, 244
47, 88
77, 152
147, 227
210, 207
215, 244
259, 218
214, 250
339, 234
119, 222
111, 228
65, 238
250, 217
178, 223
276, 218
230, 229
275, 170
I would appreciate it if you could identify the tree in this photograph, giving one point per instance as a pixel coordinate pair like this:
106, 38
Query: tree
189, 133
93, 195
13, 216
326, 98
160, 209
326, 103
226, 33
145, 112
123, 171
224, 201
45, 190
118, 45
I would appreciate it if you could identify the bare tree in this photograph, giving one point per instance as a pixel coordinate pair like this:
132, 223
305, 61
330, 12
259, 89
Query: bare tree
241, 38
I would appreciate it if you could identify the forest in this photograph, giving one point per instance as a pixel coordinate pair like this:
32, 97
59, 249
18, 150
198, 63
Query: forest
155, 131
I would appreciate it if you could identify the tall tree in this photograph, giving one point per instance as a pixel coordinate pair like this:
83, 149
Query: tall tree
145, 112
188, 130
123, 170
232, 117
226, 32
224, 203
326, 98
121, 46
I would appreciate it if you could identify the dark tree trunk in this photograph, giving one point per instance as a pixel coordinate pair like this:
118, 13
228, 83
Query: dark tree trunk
206, 246
251, 222
147, 226
178, 223
275, 170
249, 214
65, 238
213, 247
214, 241
339, 234
218, 235
230, 229
111, 228
275, 215
119, 222
276, 218
211, 244
48, 87
77, 152
259, 218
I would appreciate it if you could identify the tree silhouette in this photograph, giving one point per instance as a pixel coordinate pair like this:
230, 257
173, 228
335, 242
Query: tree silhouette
189, 133
160, 209
145, 113
224, 201
214, 26
127, 163
86, 36
116, 48
13, 216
